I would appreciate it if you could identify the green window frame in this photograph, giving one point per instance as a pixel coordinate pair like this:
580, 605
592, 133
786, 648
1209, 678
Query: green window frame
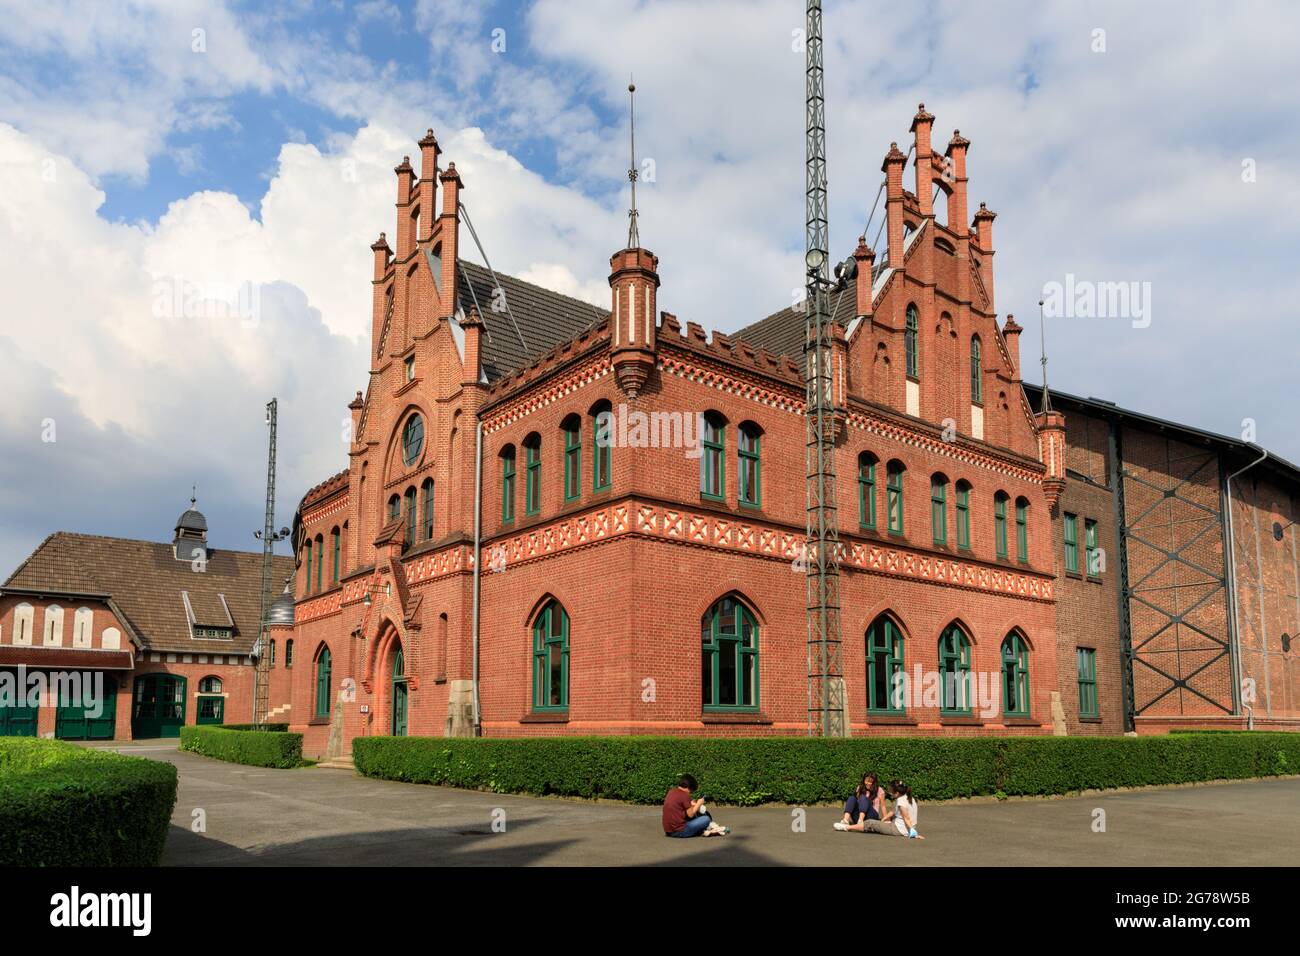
1015, 676
1071, 525
894, 496
963, 515
1092, 553
1087, 668
939, 509
426, 509
533, 475
551, 659
572, 458
729, 658
1000, 524
909, 342
307, 589
867, 490
320, 561
601, 449
954, 671
409, 504
976, 372
288, 653
323, 669
884, 663
713, 461
1022, 530
334, 547
508, 484
749, 474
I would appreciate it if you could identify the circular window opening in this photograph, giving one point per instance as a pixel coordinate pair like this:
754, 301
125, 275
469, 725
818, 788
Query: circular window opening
412, 440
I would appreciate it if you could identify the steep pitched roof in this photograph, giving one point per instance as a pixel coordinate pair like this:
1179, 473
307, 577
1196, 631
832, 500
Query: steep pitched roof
146, 582
784, 332
542, 319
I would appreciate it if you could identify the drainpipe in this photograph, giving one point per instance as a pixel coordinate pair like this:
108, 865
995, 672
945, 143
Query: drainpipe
478, 565
1232, 583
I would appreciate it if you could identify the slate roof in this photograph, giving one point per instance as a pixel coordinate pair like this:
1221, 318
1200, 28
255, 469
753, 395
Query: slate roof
145, 583
545, 319
783, 332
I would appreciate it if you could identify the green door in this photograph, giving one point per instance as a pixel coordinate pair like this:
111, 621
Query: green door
80, 716
15, 720
158, 706
212, 710
399, 695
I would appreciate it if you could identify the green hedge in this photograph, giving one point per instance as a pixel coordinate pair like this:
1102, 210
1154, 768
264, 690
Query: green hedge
257, 748
64, 805
800, 770
270, 728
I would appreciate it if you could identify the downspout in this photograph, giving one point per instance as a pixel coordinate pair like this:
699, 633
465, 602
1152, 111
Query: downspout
1231, 562
478, 565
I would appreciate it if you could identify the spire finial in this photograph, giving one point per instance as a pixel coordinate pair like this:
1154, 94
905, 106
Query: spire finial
194, 493
633, 233
1042, 339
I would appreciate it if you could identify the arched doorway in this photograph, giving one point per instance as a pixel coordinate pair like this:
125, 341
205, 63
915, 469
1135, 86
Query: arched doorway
399, 696
85, 712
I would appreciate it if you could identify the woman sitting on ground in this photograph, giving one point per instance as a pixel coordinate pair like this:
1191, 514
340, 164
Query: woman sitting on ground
901, 821
866, 803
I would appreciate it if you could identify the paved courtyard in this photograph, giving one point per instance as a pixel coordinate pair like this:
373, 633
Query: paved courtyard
320, 817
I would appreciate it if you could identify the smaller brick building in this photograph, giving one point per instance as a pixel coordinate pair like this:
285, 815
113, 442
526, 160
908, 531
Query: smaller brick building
116, 639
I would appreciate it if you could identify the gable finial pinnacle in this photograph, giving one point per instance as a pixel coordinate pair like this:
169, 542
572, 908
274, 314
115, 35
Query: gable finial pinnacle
633, 233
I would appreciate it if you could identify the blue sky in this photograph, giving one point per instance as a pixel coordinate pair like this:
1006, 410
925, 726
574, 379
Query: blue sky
130, 161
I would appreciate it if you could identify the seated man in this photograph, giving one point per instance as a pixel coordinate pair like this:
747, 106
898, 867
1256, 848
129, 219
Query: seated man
684, 817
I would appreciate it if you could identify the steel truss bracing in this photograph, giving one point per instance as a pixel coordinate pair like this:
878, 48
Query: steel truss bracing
1179, 605
826, 712
262, 672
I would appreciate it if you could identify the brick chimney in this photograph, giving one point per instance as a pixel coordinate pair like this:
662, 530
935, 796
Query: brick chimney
866, 260
984, 239
922, 124
428, 183
893, 170
633, 281
1011, 335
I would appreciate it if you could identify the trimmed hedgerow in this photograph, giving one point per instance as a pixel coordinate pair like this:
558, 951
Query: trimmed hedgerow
270, 728
64, 805
257, 748
801, 770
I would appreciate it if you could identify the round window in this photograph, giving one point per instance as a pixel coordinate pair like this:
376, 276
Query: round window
412, 440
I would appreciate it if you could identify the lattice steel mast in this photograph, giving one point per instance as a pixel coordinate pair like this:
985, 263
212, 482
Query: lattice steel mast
268, 536
825, 671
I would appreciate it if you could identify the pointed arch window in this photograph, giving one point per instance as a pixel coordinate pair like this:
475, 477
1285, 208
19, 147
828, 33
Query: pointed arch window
884, 664
533, 474
954, 671
894, 496
867, 490
963, 515
1000, 523
729, 657
426, 502
572, 458
1015, 676
976, 372
749, 465
1022, 530
508, 484
551, 658
909, 342
939, 509
601, 441
713, 461
409, 505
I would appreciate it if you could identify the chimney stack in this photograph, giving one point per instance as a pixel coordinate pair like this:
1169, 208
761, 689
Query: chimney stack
866, 260
956, 151
922, 124
984, 239
893, 170
428, 183
405, 223
1011, 335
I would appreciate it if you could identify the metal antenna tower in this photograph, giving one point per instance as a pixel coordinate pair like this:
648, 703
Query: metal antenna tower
268, 536
633, 233
825, 670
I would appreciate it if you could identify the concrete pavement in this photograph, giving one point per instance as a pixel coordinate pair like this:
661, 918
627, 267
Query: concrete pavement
319, 817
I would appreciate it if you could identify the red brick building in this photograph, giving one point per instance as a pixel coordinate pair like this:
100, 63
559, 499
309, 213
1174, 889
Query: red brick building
558, 519
117, 639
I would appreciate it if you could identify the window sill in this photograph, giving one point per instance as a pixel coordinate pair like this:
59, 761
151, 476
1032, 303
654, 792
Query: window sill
318, 722
1023, 720
1095, 580
890, 720
960, 720
544, 717
1090, 720
750, 506
735, 717
710, 499
1075, 575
